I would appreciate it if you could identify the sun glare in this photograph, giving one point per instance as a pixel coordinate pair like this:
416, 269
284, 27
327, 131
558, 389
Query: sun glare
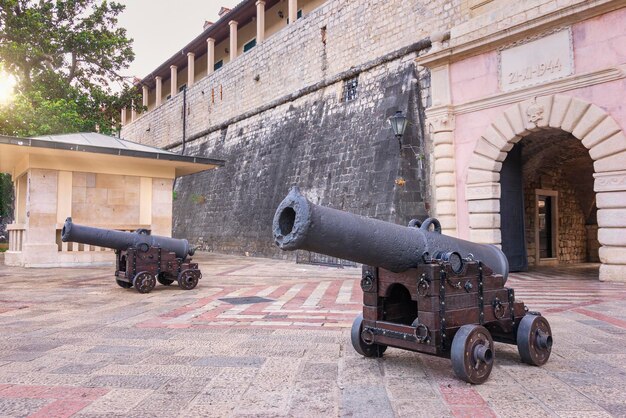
7, 86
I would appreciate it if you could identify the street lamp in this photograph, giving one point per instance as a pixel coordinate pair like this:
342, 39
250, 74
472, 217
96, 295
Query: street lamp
398, 124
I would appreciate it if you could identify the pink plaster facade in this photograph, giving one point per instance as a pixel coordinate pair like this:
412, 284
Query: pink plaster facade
598, 43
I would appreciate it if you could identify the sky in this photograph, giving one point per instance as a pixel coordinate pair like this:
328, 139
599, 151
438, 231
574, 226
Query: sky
160, 28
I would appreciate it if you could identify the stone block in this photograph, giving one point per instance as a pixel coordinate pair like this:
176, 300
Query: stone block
484, 206
446, 207
613, 162
445, 179
612, 218
559, 109
445, 165
483, 163
444, 151
612, 255
505, 128
516, 120
613, 237
484, 220
445, 193
485, 148
607, 200
605, 129
482, 176
575, 112
496, 139
593, 117
482, 191
485, 236
610, 146
612, 273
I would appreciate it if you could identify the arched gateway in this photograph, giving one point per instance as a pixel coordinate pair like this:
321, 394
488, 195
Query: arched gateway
597, 131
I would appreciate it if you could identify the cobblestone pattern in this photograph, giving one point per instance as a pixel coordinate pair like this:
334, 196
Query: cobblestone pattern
76, 345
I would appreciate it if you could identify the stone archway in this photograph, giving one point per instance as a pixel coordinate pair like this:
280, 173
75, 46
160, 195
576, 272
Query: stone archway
596, 130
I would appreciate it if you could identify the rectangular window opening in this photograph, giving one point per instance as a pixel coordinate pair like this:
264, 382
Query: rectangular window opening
350, 89
181, 88
218, 65
249, 45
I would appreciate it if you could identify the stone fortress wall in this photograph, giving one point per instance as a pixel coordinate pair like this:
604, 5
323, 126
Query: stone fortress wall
279, 115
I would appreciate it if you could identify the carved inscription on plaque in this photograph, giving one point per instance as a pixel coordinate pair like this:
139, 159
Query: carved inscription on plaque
536, 61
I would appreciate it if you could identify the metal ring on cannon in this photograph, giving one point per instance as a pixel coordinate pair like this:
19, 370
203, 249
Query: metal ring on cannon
431, 221
421, 333
415, 223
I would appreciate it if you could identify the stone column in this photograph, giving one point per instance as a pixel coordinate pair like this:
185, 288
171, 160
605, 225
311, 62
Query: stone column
173, 80
159, 89
210, 55
133, 112
123, 117
260, 21
440, 120
233, 39
191, 71
144, 91
293, 11
442, 131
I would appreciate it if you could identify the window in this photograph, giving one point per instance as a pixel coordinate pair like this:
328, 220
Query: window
248, 46
181, 88
169, 96
218, 65
350, 89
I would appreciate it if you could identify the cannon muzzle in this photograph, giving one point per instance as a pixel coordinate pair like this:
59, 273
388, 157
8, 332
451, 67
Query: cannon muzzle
118, 240
301, 225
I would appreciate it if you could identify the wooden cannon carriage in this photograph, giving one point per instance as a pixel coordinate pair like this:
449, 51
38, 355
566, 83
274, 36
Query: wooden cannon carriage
422, 291
141, 259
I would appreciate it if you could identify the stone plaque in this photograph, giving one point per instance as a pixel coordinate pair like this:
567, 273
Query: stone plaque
536, 60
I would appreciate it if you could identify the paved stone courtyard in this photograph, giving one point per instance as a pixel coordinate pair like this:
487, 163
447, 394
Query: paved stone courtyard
263, 337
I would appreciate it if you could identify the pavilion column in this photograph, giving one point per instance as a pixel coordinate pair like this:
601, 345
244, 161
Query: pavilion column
144, 91
233, 39
173, 80
159, 89
293, 11
191, 71
210, 55
123, 117
133, 112
260, 21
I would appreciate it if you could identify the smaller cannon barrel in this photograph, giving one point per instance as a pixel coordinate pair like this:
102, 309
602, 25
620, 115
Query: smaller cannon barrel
301, 225
119, 240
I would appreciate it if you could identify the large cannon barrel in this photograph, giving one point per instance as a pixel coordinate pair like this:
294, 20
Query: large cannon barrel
300, 224
119, 240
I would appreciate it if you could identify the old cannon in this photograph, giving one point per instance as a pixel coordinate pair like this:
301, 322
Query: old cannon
422, 291
141, 259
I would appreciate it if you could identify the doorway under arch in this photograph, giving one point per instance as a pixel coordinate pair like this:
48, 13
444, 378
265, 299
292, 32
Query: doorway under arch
565, 117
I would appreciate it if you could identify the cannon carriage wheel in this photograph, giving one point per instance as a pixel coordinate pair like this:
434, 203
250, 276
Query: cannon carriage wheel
144, 282
188, 279
364, 348
472, 354
534, 339
163, 280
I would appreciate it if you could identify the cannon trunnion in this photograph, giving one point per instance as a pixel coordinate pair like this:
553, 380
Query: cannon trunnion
422, 291
142, 259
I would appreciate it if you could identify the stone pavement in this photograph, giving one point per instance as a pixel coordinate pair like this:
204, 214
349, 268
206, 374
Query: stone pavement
263, 337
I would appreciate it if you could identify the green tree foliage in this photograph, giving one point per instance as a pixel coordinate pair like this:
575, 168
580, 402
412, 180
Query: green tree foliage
66, 56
